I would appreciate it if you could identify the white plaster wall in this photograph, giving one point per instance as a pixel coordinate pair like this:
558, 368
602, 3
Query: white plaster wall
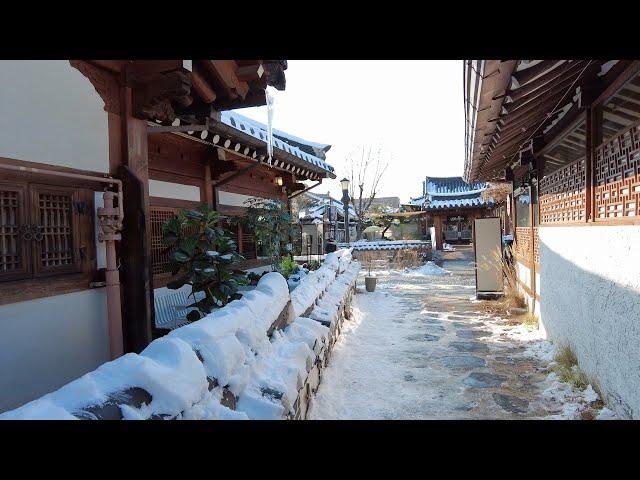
48, 342
178, 191
233, 199
50, 113
590, 299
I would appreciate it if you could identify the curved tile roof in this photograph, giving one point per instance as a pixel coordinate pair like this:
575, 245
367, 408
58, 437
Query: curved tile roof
258, 130
451, 192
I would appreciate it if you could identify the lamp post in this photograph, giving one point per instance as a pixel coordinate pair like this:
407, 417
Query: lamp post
344, 183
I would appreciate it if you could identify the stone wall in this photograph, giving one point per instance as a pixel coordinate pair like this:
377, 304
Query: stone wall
260, 357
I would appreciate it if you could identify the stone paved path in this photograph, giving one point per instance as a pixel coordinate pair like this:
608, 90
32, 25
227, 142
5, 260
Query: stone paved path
419, 348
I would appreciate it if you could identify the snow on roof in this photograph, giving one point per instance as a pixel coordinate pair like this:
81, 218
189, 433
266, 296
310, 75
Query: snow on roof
284, 141
316, 212
452, 185
451, 192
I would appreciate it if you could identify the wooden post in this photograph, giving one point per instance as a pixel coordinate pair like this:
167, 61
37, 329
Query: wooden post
532, 262
437, 223
137, 292
208, 190
588, 170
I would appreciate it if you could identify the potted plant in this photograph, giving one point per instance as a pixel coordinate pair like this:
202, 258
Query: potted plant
369, 280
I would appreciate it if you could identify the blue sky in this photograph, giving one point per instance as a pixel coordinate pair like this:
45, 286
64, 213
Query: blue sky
412, 109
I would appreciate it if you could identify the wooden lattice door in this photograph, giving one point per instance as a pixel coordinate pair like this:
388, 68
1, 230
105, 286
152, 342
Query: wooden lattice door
14, 251
55, 230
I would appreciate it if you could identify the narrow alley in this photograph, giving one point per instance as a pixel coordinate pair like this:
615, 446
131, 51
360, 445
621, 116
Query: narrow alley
420, 347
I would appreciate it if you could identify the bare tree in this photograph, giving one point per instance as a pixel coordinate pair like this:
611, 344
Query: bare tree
365, 168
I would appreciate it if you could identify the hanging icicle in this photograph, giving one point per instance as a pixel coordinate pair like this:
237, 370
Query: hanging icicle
270, 103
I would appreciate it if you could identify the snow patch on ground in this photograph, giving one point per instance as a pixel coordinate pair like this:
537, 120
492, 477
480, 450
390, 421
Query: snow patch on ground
428, 269
567, 400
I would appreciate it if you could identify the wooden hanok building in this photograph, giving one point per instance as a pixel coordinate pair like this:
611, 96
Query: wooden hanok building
322, 219
452, 204
94, 155
566, 133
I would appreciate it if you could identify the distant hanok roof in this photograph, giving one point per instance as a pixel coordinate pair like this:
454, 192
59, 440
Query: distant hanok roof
312, 153
451, 192
315, 213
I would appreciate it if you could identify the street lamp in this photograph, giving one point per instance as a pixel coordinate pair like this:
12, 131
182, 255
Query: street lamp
344, 183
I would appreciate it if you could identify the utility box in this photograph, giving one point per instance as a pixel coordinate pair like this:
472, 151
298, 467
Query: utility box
487, 246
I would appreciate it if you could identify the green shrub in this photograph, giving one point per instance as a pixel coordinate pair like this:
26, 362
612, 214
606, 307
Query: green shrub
287, 267
204, 256
270, 221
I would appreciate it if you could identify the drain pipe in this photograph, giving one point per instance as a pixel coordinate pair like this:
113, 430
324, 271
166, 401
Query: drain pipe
110, 226
110, 221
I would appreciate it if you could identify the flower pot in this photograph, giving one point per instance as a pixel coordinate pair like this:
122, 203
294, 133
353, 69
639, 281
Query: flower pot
370, 283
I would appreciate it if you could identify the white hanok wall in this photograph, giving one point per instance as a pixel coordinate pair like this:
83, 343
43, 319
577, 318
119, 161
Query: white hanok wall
51, 114
590, 300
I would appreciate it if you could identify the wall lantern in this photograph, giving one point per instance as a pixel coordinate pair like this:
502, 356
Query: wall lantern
278, 181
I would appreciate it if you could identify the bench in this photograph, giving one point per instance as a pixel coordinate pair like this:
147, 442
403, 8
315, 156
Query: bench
171, 309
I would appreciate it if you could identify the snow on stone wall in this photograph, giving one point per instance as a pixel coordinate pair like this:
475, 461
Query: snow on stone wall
590, 299
226, 365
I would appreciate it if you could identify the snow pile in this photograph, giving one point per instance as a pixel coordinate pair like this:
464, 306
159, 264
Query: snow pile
571, 401
428, 268
224, 366
174, 369
289, 371
326, 310
316, 282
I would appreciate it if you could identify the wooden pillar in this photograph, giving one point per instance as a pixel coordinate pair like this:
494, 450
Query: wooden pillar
532, 263
590, 188
240, 247
137, 291
208, 189
437, 223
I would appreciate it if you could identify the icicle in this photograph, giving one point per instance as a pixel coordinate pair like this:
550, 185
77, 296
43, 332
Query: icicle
270, 102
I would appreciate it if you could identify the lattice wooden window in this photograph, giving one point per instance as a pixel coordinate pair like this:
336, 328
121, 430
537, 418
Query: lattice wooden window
14, 261
159, 252
523, 242
54, 219
248, 245
536, 245
45, 230
617, 175
562, 194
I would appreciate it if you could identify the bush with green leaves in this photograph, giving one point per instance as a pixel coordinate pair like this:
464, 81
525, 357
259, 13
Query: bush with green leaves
204, 256
270, 220
288, 267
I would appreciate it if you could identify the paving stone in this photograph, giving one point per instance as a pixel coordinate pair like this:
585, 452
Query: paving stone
423, 337
435, 328
511, 403
463, 361
465, 407
461, 325
484, 380
472, 333
469, 346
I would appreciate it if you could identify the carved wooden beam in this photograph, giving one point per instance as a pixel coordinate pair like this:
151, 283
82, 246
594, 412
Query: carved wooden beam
154, 100
103, 81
